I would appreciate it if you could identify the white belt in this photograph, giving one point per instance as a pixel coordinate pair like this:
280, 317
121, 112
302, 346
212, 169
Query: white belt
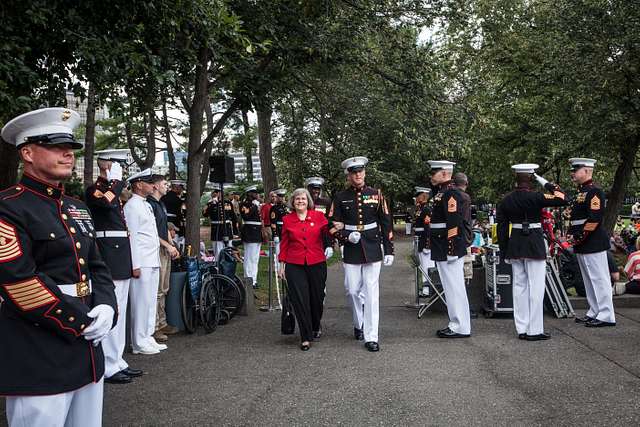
438, 225
253, 223
80, 289
532, 225
170, 214
419, 229
228, 221
279, 222
578, 221
369, 226
111, 233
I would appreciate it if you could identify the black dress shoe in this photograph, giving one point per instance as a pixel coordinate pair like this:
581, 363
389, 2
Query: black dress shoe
305, 347
595, 323
118, 378
538, 337
358, 334
584, 319
522, 336
317, 335
131, 372
372, 346
448, 333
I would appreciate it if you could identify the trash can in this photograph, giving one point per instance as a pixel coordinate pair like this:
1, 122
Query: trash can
173, 303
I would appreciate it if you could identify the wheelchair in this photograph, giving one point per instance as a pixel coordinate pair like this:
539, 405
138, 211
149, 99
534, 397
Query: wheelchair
213, 294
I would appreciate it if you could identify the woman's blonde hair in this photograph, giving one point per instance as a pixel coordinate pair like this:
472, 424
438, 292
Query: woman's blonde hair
296, 193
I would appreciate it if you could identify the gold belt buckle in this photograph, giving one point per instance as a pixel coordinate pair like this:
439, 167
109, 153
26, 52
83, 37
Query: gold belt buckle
360, 227
82, 289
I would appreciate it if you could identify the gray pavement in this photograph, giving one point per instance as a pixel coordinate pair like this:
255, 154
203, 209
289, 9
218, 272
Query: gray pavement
246, 373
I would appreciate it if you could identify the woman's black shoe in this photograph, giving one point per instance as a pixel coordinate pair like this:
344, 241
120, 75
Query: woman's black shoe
317, 335
305, 346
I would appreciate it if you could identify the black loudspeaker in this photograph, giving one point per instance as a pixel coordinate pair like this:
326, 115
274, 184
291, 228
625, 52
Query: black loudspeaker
221, 169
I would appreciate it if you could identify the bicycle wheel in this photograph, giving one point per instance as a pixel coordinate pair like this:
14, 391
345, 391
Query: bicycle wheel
210, 305
243, 291
189, 315
231, 295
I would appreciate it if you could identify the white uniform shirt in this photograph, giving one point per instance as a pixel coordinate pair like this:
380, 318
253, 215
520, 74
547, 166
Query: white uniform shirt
145, 243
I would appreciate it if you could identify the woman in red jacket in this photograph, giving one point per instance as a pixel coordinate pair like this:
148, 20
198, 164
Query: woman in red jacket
304, 246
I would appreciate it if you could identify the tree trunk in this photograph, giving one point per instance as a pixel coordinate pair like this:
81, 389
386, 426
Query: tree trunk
167, 136
269, 178
151, 138
8, 165
628, 152
204, 175
248, 155
90, 136
195, 155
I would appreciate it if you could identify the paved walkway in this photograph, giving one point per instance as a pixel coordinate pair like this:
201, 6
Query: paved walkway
246, 373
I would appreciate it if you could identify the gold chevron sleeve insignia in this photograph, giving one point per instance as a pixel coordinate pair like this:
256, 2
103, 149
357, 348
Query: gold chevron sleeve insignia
590, 226
9, 244
452, 204
109, 196
98, 194
452, 232
30, 294
595, 203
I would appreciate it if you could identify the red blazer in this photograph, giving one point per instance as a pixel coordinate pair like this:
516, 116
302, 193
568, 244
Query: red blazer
302, 242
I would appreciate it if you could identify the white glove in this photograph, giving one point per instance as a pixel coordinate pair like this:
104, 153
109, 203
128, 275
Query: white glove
98, 330
540, 179
115, 172
328, 252
451, 258
426, 251
342, 252
276, 239
388, 260
354, 237
255, 202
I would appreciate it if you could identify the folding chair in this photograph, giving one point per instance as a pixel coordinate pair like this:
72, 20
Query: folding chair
438, 291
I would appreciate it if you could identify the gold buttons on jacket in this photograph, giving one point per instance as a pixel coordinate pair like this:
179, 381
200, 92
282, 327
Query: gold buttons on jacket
50, 191
82, 326
52, 236
18, 188
78, 245
81, 261
58, 311
64, 216
84, 277
72, 319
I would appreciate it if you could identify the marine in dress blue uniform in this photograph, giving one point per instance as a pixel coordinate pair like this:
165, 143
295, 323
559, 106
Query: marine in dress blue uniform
590, 244
524, 248
361, 221
276, 213
314, 186
421, 229
222, 218
103, 199
251, 232
448, 247
58, 296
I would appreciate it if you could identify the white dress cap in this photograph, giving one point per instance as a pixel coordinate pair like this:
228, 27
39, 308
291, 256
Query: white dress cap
581, 162
354, 163
114, 154
47, 126
422, 190
314, 181
251, 188
144, 175
441, 164
525, 168
177, 182
280, 192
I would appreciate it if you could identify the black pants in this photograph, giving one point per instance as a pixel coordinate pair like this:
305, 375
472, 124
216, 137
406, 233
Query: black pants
306, 289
